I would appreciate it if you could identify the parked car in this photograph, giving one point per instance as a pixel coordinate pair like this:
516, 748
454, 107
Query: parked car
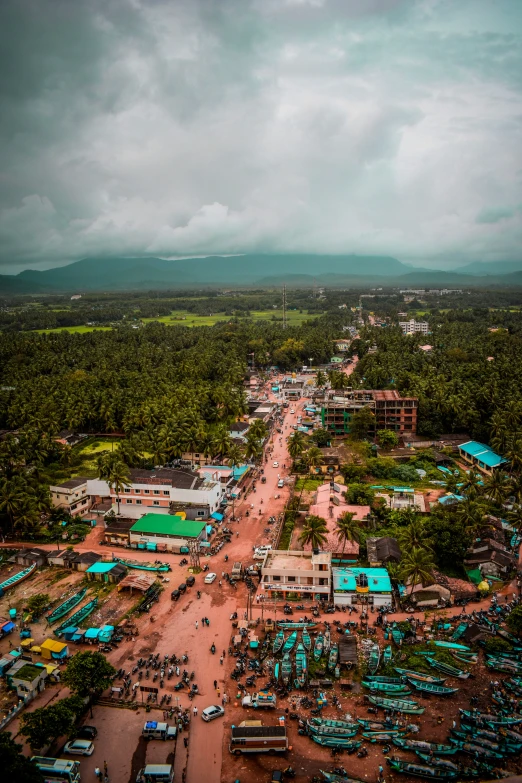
191, 580
292, 410
79, 747
87, 732
210, 578
182, 587
275, 465
174, 596
211, 713
280, 483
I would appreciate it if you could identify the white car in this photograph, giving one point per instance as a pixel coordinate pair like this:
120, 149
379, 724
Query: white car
280, 483
275, 465
292, 410
79, 747
211, 713
210, 578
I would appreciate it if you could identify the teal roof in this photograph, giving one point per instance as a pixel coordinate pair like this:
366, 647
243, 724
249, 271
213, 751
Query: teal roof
100, 568
482, 453
167, 525
345, 579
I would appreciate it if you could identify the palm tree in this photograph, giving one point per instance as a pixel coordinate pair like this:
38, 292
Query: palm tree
472, 484
320, 379
314, 532
417, 567
514, 517
11, 499
253, 449
497, 486
115, 472
472, 514
222, 441
296, 444
313, 457
514, 452
258, 429
413, 535
347, 529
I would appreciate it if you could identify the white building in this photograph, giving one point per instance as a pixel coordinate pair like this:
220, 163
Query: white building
304, 574
412, 326
361, 586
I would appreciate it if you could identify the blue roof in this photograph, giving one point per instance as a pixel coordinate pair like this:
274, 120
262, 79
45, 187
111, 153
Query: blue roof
100, 568
449, 499
482, 453
344, 579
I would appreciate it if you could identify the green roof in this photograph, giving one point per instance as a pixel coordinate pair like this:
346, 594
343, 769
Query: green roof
167, 524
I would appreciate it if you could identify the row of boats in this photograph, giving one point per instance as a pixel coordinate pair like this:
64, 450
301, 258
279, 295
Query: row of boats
285, 645
67, 606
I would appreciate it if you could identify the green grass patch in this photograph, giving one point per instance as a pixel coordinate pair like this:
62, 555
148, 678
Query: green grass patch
74, 329
309, 484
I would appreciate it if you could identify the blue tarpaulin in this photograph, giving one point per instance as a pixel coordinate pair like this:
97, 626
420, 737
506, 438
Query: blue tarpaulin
217, 516
7, 628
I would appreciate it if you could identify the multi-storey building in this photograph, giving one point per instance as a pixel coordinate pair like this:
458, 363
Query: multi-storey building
412, 326
304, 574
392, 412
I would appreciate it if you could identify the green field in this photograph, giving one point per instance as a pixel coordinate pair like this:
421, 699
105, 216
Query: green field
184, 318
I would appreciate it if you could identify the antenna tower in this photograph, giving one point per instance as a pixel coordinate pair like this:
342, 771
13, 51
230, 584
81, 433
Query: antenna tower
284, 307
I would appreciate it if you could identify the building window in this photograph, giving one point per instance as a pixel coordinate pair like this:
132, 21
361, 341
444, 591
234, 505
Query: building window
128, 500
146, 491
127, 489
275, 578
155, 503
201, 513
290, 578
166, 492
156, 491
137, 491
138, 502
84, 502
73, 506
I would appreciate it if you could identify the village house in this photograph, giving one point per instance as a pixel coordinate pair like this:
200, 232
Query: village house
299, 574
106, 572
383, 550
481, 456
166, 533
71, 496
117, 530
27, 679
490, 557
361, 586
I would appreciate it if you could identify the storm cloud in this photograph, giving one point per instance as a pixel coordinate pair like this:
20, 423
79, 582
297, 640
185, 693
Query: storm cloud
185, 127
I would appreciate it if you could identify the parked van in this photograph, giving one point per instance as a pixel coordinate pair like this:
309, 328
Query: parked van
156, 773
260, 700
237, 571
154, 730
258, 739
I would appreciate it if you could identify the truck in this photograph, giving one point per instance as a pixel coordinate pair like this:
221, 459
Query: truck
154, 730
237, 571
262, 699
257, 739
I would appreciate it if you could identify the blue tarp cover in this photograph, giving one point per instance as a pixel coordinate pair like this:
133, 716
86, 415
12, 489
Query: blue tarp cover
217, 516
8, 627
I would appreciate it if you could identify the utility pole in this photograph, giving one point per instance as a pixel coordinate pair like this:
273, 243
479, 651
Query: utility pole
284, 306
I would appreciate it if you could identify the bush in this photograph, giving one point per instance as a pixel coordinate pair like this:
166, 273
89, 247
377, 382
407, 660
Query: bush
405, 473
514, 621
359, 494
381, 467
495, 645
353, 472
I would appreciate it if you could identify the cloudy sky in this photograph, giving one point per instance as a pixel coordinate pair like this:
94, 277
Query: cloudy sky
185, 127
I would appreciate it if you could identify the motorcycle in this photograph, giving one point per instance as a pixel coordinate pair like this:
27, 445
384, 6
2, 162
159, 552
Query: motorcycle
213, 648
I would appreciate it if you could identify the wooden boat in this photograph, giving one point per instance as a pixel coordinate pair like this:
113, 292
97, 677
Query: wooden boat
383, 678
502, 666
374, 659
425, 747
336, 742
331, 731
420, 770
278, 642
477, 739
77, 617
332, 657
160, 568
277, 670
289, 643
385, 687
381, 725
428, 687
482, 717
399, 705
445, 668
379, 736
516, 689
327, 641
306, 640
301, 666
66, 607
318, 646
387, 654
331, 777
286, 668
433, 761
413, 675
460, 631
452, 646
475, 750
336, 724
397, 635
288, 625
472, 658
514, 735
17, 578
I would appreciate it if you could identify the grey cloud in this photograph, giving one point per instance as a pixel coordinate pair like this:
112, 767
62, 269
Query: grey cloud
193, 126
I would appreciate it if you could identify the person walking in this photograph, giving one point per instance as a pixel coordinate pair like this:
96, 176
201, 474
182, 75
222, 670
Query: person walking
195, 711
221, 660
215, 684
197, 625
97, 772
218, 692
105, 769
185, 741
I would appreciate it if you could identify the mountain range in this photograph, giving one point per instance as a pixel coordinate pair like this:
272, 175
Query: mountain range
253, 270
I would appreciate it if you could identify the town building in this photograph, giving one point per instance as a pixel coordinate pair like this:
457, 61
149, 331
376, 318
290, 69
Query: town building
292, 389
166, 533
412, 326
342, 345
71, 496
26, 678
117, 530
382, 550
157, 491
299, 574
361, 586
106, 572
490, 557
481, 456
238, 430
391, 411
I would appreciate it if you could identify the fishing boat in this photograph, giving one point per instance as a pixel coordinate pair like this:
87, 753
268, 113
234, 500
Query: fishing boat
463, 772
383, 678
288, 625
428, 687
424, 747
331, 777
278, 642
332, 657
514, 735
400, 705
387, 654
327, 641
397, 635
379, 736
301, 666
381, 725
413, 675
17, 578
336, 742
77, 617
446, 668
306, 640
158, 567
482, 717
460, 631
385, 687
277, 671
374, 659
289, 643
66, 607
336, 724
516, 689
497, 665
318, 646
477, 739
332, 731
452, 646
475, 750
472, 658
420, 770
286, 668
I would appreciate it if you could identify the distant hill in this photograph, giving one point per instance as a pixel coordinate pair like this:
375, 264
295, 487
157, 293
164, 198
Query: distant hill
299, 270
493, 268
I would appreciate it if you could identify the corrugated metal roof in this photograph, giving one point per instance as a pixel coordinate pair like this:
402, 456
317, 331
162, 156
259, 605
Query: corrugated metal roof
167, 524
